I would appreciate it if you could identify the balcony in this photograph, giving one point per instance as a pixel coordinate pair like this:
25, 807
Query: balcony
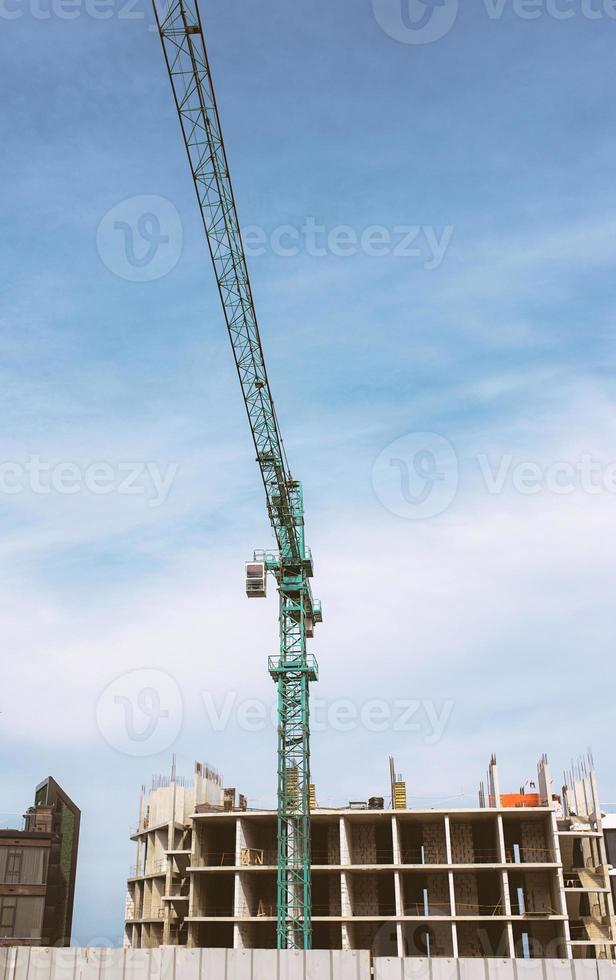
151, 869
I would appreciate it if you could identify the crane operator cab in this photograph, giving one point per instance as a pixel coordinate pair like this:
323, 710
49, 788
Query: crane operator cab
256, 580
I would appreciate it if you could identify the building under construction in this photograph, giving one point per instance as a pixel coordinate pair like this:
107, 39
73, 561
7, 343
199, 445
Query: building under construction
522, 875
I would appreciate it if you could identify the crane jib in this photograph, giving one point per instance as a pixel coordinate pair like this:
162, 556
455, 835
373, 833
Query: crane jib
183, 43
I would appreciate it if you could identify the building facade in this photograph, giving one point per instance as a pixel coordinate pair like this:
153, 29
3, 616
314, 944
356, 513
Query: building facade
520, 876
609, 833
159, 883
38, 865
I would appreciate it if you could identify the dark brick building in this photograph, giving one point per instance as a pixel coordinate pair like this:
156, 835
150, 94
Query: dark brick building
38, 866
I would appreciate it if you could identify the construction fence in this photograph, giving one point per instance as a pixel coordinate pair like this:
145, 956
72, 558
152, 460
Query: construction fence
180, 963
392, 968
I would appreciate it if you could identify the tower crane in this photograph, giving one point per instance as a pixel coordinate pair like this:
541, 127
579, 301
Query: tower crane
183, 42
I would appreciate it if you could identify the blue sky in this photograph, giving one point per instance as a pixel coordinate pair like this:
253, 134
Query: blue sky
493, 607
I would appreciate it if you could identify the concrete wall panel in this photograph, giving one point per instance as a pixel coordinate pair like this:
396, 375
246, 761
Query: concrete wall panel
418, 968
292, 965
7, 961
188, 963
442, 969
349, 965
502, 969
262, 966
389, 968
415, 968
529, 969
135, 967
472, 968
585, 969
4, 960
559, 970
21, 964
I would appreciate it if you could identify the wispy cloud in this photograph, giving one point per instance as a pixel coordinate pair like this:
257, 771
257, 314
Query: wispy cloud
505, 350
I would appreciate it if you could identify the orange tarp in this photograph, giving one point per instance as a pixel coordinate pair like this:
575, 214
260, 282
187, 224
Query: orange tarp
520, 799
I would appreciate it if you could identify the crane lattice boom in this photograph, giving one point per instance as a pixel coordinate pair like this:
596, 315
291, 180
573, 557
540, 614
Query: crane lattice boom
183, 43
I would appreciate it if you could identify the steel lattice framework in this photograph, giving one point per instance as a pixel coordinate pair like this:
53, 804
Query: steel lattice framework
183, 42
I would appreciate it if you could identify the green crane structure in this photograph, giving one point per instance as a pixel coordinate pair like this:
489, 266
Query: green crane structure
183, 42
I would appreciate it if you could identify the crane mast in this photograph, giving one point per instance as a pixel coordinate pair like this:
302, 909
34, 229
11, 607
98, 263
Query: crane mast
183, 43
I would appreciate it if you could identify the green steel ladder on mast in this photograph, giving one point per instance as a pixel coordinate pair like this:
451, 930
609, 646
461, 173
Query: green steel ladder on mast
183, 42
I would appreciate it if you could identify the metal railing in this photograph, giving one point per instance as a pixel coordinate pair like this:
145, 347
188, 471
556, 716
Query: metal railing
423, 855
530, 855
475, 908
215, 859
325, 858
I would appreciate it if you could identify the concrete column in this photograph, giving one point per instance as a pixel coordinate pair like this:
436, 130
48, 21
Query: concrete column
170, 846
239, 841
398, 893
191, 881
560, 880
345, 851
196, 852
545, 781
345, 898
395, 836
399, 912
493, 783
595, 799
451, 885
502, 853
506, 892
448, 839
237, 895
452, 893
